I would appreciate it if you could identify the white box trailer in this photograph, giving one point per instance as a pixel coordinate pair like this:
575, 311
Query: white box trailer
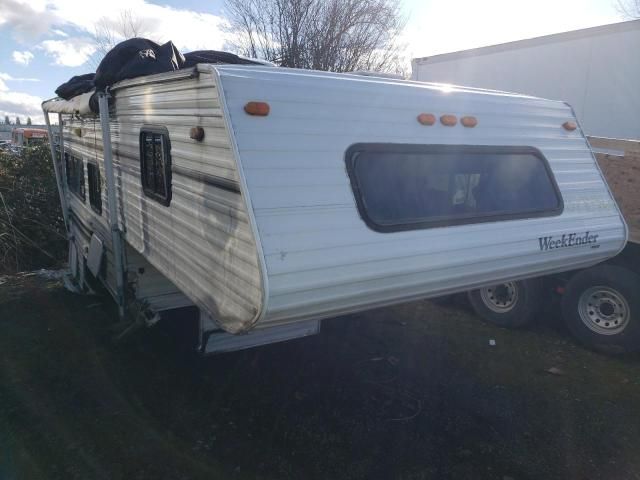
272, 198
596, 70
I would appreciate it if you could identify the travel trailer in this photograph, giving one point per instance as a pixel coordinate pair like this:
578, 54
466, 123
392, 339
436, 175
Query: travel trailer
272, 198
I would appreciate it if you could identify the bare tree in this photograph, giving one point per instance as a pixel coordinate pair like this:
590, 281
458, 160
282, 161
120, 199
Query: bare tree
109, 32
630, 9
335, 35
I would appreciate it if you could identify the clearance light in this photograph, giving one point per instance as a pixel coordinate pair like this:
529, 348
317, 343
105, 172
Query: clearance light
259, 109
448, 120
469, 122
427, 119
569, 125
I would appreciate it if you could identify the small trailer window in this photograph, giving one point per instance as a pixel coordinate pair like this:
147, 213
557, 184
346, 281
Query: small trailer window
95, 187
75, 175
155, 163
408, 187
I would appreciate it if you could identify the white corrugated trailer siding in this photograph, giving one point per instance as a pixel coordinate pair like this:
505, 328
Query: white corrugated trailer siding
202, 241
596, 70
322, 259
83, 139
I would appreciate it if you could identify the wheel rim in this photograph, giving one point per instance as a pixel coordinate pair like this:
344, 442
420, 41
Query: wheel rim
500, 298
604, 310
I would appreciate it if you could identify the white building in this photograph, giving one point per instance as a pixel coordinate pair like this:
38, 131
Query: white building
596, 70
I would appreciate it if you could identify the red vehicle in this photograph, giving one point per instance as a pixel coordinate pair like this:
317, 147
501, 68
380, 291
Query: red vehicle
25, 137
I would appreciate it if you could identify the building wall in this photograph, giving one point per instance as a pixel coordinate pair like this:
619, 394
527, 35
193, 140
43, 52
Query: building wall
597, 71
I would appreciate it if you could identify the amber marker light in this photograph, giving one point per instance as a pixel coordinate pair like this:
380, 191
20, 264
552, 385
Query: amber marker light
259, 109
469, 121
448, 120
569, 125
427, 119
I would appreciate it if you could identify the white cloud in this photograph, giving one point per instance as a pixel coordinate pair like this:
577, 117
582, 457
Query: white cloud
17, 104
72, 52
188, 29
27, 19
31, 20
6, 76
22, 58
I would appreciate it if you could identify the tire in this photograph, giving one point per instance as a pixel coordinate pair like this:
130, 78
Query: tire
510, 304
601, 308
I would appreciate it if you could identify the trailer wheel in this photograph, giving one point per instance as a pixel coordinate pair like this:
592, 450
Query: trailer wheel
509, 304
599, 305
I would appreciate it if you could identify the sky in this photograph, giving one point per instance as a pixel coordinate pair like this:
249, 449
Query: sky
45, 42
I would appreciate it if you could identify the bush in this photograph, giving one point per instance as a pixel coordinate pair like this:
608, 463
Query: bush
32, 232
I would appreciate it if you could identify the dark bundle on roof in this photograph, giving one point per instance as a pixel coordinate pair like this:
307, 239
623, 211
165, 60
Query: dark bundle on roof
76, 86
136, 57
191, 59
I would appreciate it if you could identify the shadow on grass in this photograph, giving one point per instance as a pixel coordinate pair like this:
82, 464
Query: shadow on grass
413, 392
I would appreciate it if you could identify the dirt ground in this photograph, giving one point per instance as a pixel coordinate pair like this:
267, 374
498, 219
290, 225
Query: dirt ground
623, 177
410, 392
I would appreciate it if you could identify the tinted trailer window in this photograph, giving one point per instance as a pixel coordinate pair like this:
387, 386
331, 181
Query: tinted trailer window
95, 187
406, 187
75, 175
155, 163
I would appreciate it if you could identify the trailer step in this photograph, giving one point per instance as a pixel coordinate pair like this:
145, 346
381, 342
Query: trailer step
218, 341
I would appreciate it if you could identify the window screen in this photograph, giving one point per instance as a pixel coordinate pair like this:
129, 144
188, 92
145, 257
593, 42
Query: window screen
95, 187
75, 175
155, 163
405, 187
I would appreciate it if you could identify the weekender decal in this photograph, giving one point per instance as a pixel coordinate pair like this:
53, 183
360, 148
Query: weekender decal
568, 240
